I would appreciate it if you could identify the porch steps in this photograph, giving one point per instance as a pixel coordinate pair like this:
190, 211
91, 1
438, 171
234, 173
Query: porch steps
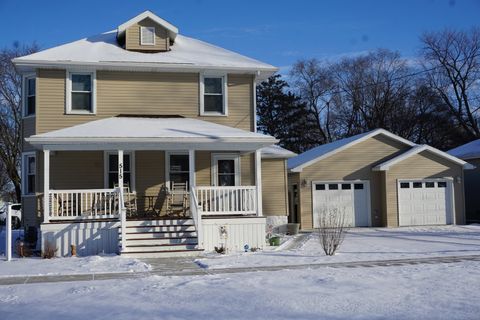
160, 238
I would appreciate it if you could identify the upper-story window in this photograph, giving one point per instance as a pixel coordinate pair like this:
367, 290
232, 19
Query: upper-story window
213, 95
147, 36
30, 96
81, 92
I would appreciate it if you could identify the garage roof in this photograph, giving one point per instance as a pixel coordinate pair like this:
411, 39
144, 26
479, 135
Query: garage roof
467, 151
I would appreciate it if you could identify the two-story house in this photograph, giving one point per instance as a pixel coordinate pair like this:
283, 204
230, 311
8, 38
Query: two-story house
143, 141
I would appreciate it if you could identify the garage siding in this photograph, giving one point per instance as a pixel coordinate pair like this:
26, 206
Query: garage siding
422, 166
274, 184
354, 163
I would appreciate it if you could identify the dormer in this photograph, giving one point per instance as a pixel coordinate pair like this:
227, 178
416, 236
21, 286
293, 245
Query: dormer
146, 32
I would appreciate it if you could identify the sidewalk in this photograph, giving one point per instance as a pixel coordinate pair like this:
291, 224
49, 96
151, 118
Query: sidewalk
187, 267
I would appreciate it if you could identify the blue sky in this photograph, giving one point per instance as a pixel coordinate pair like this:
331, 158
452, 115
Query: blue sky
278, 32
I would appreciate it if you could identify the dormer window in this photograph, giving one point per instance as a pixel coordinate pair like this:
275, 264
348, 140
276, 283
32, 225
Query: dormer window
213, 100
147, 36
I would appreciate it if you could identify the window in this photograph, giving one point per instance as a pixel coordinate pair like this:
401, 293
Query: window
417, 185
29, 96
404, 185
213, 98
178, 168
147, 36
358, 186
333, 186
442, 184
429, 184
319, 187
346, 186
29, 173
80, 93
112, 170
226, 169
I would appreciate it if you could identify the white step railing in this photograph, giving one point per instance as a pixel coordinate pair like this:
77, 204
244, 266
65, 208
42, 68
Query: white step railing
83, 204
236, 200
196, 213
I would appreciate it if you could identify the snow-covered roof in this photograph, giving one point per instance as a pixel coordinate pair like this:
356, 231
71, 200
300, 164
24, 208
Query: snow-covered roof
172, 30
416, 150
275, 151
467, 151
103, 52
311, 156
137, 133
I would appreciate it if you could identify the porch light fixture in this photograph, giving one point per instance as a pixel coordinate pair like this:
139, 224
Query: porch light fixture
458, 179
303, 183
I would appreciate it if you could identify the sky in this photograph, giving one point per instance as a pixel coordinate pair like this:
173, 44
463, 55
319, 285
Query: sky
274, 31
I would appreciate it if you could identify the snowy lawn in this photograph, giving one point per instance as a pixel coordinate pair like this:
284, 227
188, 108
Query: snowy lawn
364, 244
443, 291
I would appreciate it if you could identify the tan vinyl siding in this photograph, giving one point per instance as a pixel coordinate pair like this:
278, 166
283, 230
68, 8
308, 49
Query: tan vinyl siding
274, 187
422, 166
150, 180
247, 168
133, 41
147, 93
203, 162
28, 129
354, 163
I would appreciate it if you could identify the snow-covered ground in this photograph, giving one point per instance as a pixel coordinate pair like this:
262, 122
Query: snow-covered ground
443, 291
364, 244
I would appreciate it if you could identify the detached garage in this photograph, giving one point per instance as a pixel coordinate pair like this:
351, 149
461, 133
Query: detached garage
377, 179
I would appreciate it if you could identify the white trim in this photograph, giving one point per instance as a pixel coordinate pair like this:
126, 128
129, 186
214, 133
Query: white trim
367, 190
24, 170
191, 170
68, 92
46, 185
167, 165
141, 36
416, 150
224, 78
258, 181
148, 14
225, 156
254, 93
371, 134
106, 170
25, 95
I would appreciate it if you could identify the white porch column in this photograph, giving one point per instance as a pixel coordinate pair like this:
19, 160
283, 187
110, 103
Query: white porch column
191, 166
46, 186
120, 170
258, 181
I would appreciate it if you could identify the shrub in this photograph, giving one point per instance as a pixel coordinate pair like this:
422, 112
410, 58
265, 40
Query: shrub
331, 229
50, 250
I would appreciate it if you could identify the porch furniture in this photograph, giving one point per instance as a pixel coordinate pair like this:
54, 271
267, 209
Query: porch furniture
130, 200
177, 199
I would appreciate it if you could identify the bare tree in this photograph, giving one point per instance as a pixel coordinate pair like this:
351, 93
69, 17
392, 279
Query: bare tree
452, 61
331, 229
10, 113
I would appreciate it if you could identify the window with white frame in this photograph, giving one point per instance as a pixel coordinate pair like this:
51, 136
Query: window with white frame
213, 95
178, 168
29, 96
112, 170
29, 173
80, 92
226, 169
147, 36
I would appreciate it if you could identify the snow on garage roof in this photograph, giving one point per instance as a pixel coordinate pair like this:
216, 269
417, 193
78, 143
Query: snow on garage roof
276, 152
467, 151
311, 156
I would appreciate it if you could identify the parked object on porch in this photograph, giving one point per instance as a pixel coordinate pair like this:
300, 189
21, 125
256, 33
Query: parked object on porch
292, 228
130, 200
274, 241
177, 199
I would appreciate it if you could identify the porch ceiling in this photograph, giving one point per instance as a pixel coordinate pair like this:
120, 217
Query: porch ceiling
146, 133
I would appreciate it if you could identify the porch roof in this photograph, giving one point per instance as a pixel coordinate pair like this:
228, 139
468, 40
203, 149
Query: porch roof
150, 133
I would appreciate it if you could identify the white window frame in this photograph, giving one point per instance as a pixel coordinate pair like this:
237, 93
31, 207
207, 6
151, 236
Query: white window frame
25, 79
226, 156
25, 156
141, 36
93, 79
106, 168
167, 165
224, 78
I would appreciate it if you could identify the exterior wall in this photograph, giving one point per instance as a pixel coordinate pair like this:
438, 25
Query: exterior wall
28, 129
472, 200
240, 231
90, 238
150, 180
75, 170
354, 163
274, 187
422, 166
294, 179
153, 93
132, 37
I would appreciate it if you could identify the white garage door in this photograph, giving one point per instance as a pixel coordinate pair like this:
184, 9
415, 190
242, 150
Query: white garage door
350, 197
424, 202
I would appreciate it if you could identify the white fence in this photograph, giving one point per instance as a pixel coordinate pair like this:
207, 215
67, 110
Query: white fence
235, 200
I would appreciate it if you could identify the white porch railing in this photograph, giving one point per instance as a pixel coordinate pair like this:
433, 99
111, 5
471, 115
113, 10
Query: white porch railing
83, 204
196, 213
235, 200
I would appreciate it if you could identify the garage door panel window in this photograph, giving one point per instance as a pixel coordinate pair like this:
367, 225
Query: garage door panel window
319, 187
417, 185
333, 186
358, 186
346, 186
442, 184
404, 185
429, 184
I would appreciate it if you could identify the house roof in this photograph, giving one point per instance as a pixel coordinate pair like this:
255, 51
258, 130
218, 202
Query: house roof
172, 30
467, 151
416, 150
147, 133
311, 156
276, 152
103, 52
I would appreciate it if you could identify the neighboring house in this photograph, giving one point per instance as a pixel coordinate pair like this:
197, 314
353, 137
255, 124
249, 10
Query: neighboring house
377, 179
169, 118
471, 152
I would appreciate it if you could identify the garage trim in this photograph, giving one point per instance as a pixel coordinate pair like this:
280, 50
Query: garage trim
450, 186
367, 190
